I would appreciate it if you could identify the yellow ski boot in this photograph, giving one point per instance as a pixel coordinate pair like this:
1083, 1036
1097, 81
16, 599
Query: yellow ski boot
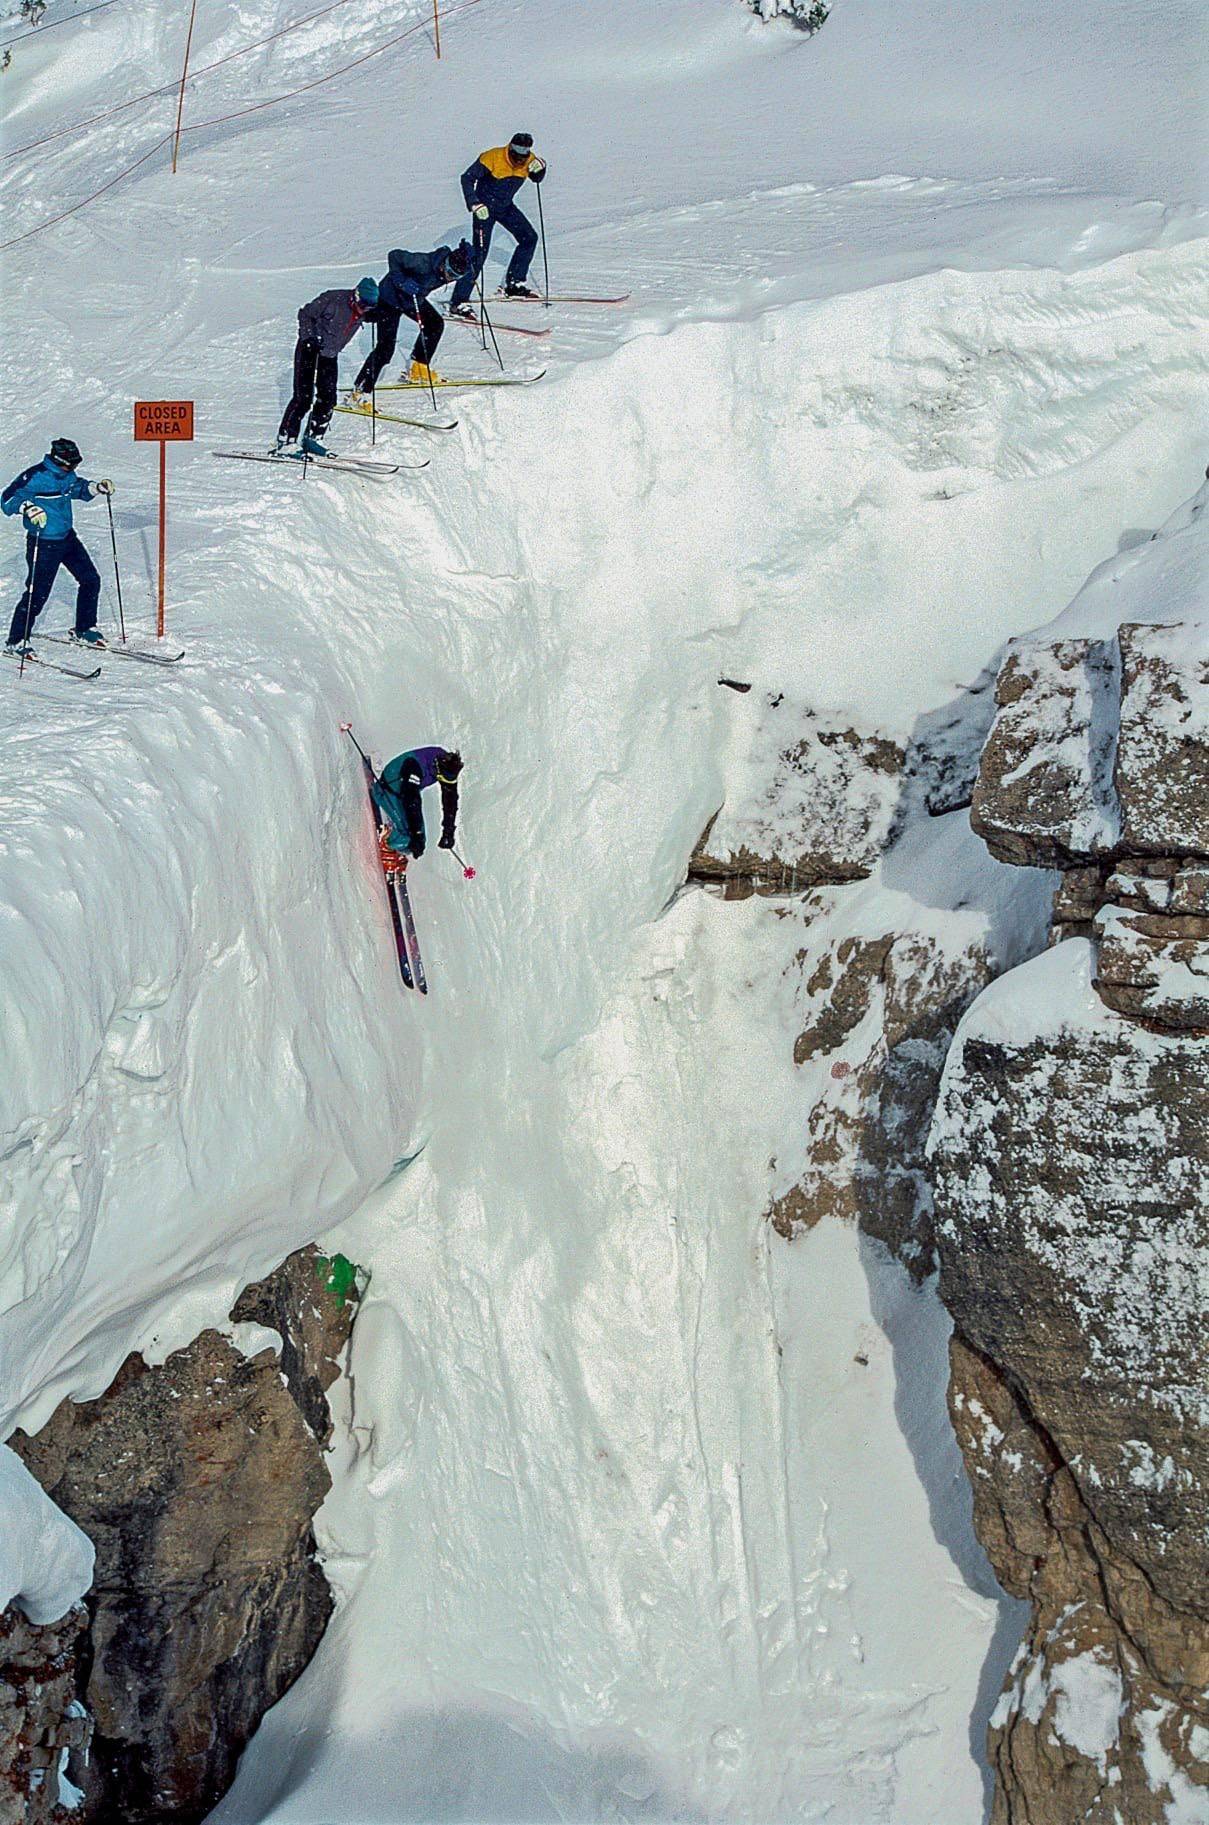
420, 375
359, 402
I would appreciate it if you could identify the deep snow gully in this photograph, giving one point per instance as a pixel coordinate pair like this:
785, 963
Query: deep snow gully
611, 1524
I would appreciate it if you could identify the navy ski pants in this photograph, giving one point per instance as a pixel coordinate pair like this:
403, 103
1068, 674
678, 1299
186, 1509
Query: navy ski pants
518, 266
315, 378
40, 577
386, 334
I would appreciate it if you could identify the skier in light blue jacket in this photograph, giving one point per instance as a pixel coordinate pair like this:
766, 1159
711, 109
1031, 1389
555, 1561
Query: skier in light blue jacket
42, 497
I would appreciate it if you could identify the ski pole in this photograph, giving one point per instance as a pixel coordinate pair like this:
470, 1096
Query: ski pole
541, 222
373, 391
482, 292
468, 873
117, 575
487, 323
29, 601
423, 341
346, 728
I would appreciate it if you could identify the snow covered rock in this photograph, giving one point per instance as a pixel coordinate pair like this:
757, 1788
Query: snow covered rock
1073, 1220
813, 802
808, 15
879, 1013
1068, 1153
1162, 764
1154, 966
1074, 1733
1044, 794
197, 1481
1098, 764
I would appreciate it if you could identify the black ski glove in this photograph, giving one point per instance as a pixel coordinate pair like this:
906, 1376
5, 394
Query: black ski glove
446, 840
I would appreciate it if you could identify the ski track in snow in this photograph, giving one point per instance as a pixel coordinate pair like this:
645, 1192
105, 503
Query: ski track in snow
621, 1527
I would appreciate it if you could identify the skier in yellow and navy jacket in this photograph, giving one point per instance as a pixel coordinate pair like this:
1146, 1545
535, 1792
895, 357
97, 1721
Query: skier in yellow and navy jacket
490, 186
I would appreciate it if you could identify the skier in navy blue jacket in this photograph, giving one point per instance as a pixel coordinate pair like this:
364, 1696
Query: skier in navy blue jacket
42, 496
404, 293
397, 795
489, 187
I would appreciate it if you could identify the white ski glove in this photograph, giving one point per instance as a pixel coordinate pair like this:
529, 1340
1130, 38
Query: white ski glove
34, 515
102, 487
480, 212
536, 166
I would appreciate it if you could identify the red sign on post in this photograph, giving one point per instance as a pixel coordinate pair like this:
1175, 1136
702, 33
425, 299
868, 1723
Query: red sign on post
164, 422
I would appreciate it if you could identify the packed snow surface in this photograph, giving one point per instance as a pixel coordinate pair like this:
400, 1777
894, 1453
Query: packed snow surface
45, 1561
639, 1513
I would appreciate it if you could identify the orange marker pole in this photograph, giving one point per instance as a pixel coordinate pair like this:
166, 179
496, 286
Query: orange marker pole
180, 105
436, 27
159, 620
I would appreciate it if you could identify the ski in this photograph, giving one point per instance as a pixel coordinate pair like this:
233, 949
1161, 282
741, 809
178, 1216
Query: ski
417, 962
339, 465
495, 380
510, 329
417, 424
125, 652
68, 671
380, 826
562, 298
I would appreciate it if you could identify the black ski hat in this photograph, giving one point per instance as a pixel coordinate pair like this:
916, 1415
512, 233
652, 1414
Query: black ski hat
66, 453
522, 141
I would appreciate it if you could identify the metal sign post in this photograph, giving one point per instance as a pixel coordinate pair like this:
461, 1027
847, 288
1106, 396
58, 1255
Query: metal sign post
163, 421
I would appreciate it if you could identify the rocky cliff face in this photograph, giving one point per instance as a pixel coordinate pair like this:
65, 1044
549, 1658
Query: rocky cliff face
878, 979
197, 1481
1071, 1159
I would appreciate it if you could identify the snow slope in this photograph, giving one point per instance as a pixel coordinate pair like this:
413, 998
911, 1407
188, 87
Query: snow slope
915, 338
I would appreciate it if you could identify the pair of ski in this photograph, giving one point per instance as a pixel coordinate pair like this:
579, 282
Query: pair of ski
338, 465
517, 329
33, 657
421, 386
407, 945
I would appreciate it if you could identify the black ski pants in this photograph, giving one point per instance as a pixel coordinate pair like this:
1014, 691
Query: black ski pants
525, 235
42, 560
385, 320
315, 379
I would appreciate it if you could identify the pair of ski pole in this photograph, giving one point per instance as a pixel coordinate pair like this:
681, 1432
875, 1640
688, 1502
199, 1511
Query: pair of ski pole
346, 728
33, 571
485, 323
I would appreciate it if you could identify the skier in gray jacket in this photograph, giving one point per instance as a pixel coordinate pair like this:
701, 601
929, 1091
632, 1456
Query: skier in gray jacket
325, 326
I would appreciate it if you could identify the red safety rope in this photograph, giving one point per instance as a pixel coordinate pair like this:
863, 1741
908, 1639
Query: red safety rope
237, 114
168, 87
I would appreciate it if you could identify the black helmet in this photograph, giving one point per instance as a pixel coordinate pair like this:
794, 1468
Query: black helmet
458, 258
66, 453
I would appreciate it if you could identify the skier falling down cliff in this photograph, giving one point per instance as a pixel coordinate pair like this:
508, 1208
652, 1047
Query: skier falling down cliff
397, 794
